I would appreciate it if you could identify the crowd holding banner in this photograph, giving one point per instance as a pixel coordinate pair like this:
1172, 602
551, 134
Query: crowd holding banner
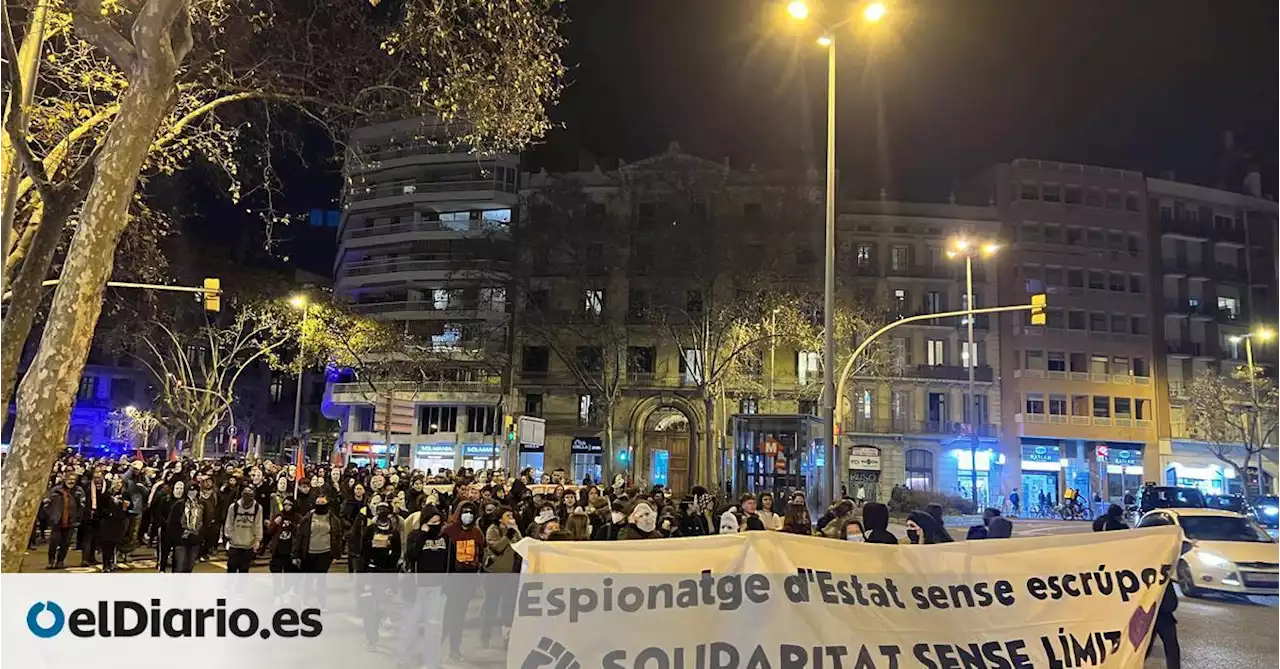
368, 520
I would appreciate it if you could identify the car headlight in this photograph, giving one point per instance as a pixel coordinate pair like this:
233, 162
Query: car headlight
1270, 511
1211, 560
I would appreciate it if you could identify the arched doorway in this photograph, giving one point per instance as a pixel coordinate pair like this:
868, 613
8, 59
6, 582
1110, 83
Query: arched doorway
667, 431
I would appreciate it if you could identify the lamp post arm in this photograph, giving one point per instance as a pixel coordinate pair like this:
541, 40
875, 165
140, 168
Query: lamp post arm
848, 366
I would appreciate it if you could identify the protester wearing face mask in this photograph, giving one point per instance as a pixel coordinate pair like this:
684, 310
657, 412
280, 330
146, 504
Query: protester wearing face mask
852, 532
578, 526
381, 544
319, 538
875, 523
796, 520
95, 494
186, 526
642, 523
114, 514
546, 513
922, 528
212, 528
280, 544
466, 546
601, 520
502, 564
243, 529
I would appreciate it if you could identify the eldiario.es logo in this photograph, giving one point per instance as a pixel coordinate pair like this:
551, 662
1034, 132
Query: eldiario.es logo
124, 618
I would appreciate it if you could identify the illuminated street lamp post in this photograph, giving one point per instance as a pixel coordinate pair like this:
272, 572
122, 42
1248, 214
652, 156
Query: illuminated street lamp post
1261, 334
299, 301
872, 13
968, 249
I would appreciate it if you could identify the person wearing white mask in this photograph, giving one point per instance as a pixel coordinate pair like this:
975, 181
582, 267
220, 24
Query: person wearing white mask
642, 523
729, 521
853, 532
185, 526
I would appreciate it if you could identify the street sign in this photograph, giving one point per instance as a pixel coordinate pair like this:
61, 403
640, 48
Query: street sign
771, 446
532, 431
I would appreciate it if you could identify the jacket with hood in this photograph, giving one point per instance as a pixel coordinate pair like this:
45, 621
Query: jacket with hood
875, 524
500, 557
834, 526
930, 531
243, 527
466, 542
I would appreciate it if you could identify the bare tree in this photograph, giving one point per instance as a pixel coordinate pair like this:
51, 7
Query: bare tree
1220, 412
163, 66
197, 370
134, 425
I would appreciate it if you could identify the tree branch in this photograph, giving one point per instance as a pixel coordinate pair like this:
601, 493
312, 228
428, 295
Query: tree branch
98, 31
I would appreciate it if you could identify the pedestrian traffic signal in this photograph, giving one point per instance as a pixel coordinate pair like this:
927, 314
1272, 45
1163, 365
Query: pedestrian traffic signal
509, 423
212, 294
622, 455
1037, 309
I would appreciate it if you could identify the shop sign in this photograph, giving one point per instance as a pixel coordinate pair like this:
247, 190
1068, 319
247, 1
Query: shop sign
367, 448
864, 458
1127, 457
1102, 451
423, 450
531, 448
586, 445
771, 446
479, 451
1040, 454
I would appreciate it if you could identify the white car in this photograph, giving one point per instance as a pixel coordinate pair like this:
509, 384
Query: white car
1228, 553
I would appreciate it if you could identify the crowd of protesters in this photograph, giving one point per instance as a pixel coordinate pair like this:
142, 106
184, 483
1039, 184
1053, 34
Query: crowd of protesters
399, 518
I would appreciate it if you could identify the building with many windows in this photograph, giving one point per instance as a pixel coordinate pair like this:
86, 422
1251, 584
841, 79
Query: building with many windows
424, 243
1214, 281
915, 425
1078, 392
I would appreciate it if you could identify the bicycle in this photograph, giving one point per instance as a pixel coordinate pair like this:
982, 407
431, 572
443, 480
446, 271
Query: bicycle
1075, 512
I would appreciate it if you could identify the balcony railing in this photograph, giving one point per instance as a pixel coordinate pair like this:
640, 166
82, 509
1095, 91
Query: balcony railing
371, 267
447, 386
428, 305
982, 373
426, 226
922, 271
1184, 226
859, 424
419, 186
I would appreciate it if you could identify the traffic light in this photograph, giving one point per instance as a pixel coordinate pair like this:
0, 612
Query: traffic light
212, 294
1037, 309
509, 425
622, 456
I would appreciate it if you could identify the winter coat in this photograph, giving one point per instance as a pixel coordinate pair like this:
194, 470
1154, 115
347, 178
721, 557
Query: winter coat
302, 541
113, 518
466, 547
173, 529
630, 531
56, 502
500, 557
380, 549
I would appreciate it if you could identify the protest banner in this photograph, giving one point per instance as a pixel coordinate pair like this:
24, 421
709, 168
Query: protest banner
780, 601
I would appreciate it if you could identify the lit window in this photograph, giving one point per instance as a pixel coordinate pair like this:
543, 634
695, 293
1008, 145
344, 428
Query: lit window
584, 409
593, 302
808, 366
866, 404
935, 352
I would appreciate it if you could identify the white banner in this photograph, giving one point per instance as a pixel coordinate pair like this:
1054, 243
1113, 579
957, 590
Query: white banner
784, 601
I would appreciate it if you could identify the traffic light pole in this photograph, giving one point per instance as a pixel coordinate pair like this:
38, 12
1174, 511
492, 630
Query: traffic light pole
1037, 315
126, 284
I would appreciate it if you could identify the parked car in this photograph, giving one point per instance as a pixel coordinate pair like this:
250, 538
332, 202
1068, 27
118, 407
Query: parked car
1234, 503
1169, 497
1228, 551
1266, 512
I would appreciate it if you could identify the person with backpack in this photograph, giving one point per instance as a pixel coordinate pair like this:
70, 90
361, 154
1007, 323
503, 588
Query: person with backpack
243, 529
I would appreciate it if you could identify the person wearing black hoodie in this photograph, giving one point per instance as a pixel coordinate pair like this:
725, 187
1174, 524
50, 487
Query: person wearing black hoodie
1113, 519
935, 511
980, 531
875, 524
1166, 626
380, 545
923, 528
426, 555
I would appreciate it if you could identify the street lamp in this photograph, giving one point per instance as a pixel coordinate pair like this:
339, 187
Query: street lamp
1261, 334
968, 249
300, 301
872, 13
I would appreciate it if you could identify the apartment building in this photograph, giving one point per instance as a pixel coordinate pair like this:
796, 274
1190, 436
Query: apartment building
1078, 392
1215, 280
915, 425
424, 242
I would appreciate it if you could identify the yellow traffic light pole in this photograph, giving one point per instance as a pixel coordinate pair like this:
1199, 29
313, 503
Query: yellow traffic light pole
211, 290
1037, 318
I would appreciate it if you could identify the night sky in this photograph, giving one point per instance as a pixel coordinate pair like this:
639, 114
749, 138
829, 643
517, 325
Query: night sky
937, 93
946, 88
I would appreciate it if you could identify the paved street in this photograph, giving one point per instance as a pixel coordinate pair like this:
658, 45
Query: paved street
1215, 631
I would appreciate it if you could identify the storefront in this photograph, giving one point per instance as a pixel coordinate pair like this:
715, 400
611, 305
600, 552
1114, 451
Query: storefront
431, 458
377, 455
480, 456
587, 455
864, 472
986, 462
1041, 474
532, 456
1210, 478
1123, 470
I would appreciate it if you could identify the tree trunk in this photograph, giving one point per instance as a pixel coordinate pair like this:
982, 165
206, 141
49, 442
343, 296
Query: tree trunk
612, 466
20, 313
709, 441
48, 389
